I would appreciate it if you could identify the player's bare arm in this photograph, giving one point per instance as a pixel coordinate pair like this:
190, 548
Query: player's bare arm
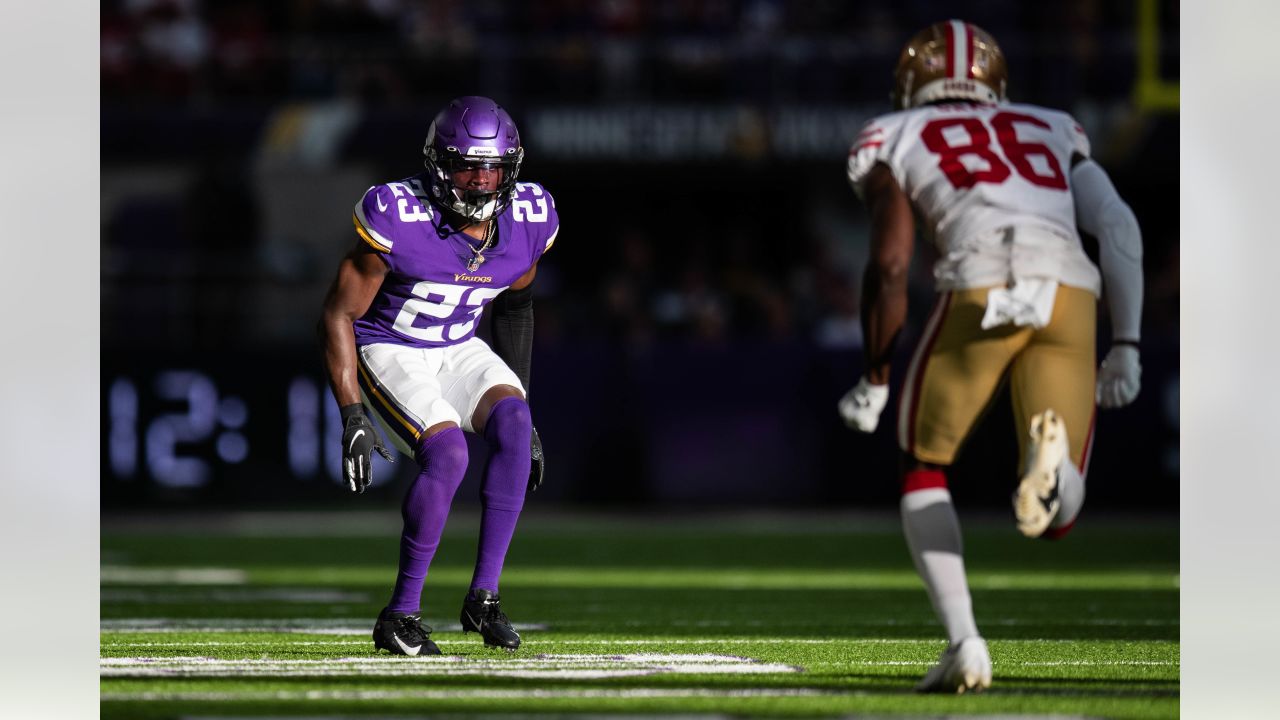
884, 282
359, 277
884, 296
526, 279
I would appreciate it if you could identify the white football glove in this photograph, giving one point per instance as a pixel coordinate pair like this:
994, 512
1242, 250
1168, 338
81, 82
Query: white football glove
862, 405
1119, 378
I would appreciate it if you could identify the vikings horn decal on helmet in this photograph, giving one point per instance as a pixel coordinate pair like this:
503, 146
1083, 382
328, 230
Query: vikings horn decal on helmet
472, 132
950, 60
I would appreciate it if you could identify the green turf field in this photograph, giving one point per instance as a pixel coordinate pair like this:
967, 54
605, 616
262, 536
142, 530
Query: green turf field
261, 615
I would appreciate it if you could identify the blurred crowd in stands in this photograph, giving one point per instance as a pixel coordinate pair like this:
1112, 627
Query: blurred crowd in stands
769, 51
650, 251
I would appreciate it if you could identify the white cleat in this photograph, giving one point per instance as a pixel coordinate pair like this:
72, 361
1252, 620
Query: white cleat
1036, 502
963, 666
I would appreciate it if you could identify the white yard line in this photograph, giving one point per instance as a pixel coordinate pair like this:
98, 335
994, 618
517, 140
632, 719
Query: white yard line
236, 595
563, 667
536, 642
129, 575
307, 626
481, 694
557, 666
613, 642
361, 626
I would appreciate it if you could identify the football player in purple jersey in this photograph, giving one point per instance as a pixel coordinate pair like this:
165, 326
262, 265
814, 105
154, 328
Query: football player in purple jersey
398, 330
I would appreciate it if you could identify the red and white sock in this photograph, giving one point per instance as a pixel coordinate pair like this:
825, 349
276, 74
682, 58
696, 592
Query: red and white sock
932, 531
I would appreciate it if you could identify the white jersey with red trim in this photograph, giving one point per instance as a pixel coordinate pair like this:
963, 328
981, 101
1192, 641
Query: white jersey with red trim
991, 185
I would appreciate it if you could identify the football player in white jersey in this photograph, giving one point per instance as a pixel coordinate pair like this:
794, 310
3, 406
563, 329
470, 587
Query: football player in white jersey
1000, 189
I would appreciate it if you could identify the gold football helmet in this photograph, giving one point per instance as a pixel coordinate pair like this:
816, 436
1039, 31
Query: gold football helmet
949, 60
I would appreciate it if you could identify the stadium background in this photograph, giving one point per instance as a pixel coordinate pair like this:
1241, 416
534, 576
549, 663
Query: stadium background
698, 318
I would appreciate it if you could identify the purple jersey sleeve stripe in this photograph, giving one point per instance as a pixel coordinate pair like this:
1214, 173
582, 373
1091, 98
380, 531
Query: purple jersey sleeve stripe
368, 236
408, 430
551, 240
362, 221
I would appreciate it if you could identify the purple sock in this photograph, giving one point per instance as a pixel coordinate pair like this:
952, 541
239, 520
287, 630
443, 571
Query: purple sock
502, 494
443, 458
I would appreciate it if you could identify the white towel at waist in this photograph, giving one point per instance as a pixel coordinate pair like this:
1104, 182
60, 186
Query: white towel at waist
1028, 302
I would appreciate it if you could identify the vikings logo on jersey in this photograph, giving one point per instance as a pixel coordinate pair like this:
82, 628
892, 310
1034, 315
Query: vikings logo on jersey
435, 289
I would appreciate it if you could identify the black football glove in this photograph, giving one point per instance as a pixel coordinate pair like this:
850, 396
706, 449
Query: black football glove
359, 440
536, 465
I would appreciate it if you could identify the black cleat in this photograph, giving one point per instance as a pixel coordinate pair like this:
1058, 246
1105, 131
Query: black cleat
482, 613
403, 634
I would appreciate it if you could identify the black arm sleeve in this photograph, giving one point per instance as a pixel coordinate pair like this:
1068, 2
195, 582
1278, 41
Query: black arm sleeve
513, 330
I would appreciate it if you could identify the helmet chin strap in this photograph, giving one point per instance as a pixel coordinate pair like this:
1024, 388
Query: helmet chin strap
473, 212
466, 212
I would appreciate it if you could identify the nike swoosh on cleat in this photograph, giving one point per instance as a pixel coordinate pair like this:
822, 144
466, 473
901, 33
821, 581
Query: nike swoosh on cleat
408, 649
353, 439
1048, 500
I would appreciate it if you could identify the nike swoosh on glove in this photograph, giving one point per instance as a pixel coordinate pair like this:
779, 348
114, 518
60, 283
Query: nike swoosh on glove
536, 464
359, 440
1119, 377
862, 405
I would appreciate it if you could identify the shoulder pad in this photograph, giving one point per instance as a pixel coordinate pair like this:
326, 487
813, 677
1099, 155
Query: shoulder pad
1079, 140
872, 145
533, 204
373, 219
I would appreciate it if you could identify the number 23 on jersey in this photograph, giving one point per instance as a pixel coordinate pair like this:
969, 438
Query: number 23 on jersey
441, 301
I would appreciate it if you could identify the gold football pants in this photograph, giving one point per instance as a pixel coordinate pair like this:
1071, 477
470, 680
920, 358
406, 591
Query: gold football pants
958, 368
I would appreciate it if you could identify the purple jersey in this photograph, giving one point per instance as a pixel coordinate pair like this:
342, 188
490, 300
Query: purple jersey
429, 298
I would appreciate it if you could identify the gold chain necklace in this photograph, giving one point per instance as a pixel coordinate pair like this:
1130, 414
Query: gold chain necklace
478, 257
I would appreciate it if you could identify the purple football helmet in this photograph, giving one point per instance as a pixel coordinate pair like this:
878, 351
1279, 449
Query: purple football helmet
472, 132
